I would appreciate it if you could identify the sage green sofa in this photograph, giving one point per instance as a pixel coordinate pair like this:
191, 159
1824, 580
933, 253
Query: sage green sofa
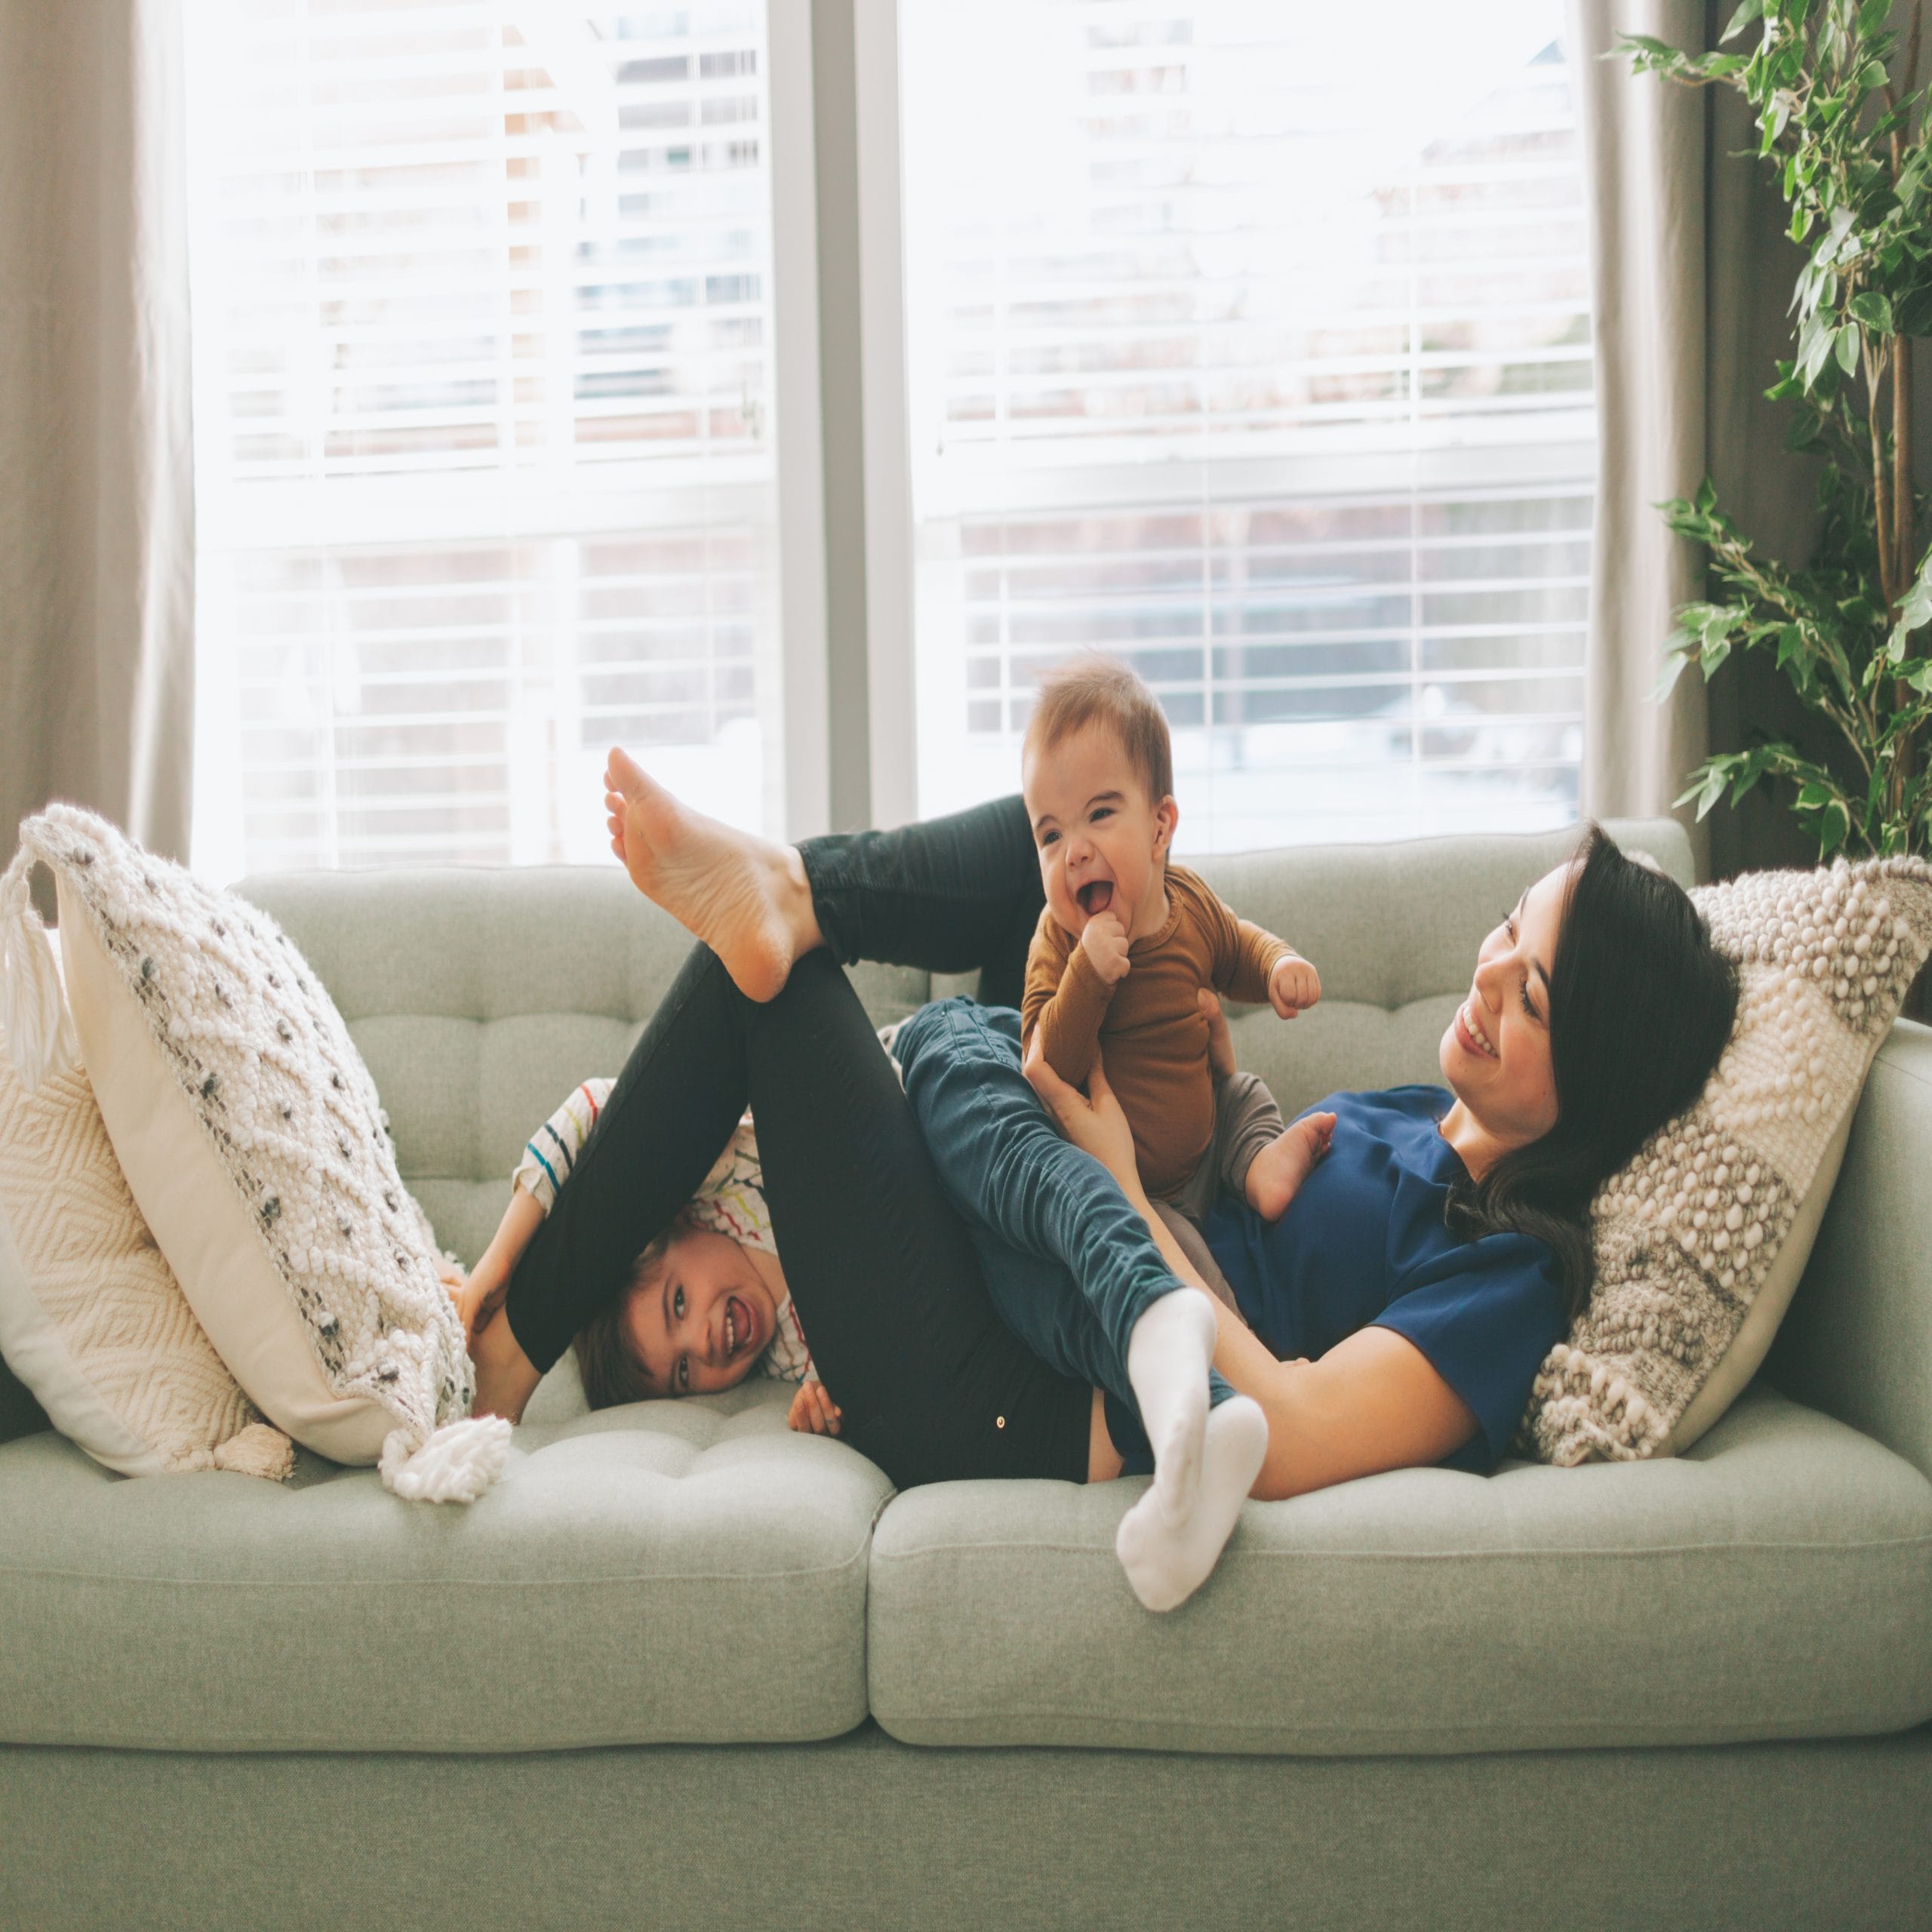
682, 1668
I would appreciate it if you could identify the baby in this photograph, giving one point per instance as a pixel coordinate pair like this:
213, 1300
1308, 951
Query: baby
1131, 950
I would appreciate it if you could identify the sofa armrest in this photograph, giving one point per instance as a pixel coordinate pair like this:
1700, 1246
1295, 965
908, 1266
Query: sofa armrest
1857, 1342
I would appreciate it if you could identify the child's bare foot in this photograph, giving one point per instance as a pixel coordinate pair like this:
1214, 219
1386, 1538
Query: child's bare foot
1275, 1174
746, 897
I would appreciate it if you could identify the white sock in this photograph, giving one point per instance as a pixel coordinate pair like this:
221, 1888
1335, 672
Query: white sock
1167, 1562
1168, 1355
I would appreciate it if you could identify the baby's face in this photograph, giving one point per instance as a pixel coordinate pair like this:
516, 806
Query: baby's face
703, 1320
1103, 842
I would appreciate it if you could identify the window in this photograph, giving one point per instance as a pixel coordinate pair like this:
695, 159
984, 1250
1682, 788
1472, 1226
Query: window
1248, 339
1254, 347
485, 422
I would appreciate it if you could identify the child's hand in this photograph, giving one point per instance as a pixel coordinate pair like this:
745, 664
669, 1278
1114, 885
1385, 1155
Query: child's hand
1293, 986
478, 1298
1104, 942
813, 1412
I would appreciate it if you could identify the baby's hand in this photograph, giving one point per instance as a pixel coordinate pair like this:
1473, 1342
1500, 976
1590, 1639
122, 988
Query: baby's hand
1293, 986
813, 1412
1104, 942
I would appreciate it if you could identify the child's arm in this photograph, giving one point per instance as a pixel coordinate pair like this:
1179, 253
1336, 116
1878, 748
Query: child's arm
481, 1295
1068, 992
1254, 966
548, 1155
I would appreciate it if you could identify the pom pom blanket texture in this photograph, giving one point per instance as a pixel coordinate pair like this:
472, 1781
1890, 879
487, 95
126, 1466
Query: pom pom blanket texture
308, 1263
1714, 1213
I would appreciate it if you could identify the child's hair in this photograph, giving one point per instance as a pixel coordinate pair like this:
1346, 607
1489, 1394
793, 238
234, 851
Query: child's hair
1096, 690
611, 1371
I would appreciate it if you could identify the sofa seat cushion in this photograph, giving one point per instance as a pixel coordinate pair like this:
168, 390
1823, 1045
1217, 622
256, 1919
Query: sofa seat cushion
669, 1571
1774, 1582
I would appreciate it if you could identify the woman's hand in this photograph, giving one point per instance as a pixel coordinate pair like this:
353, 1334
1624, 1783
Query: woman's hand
813, 1412
1094, 1121
1220, 1035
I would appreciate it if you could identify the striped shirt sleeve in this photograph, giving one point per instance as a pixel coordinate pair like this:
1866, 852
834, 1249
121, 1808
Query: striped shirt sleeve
550, 1153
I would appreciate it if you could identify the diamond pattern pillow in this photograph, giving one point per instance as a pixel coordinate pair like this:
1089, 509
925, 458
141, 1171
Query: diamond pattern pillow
92, 1319
251, 1138
1701, 1238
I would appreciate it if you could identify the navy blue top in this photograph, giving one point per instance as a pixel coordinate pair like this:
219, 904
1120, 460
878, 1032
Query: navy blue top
1363, 1245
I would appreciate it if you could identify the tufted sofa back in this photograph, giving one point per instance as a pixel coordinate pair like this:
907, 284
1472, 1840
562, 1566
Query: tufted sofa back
478, 998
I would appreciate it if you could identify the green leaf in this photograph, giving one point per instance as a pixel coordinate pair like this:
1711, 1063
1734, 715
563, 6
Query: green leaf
1832, 826
1754, 9
1847, 345
1872, 16
1915, 611
1872, 309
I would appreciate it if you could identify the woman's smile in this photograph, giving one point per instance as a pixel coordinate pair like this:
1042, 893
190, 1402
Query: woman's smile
1469, 1034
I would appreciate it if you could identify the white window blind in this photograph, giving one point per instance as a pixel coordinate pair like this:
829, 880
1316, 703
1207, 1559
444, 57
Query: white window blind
485, 462
1251, 344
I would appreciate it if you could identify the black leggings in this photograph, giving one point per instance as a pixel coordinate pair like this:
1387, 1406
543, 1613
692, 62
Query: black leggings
881, 1266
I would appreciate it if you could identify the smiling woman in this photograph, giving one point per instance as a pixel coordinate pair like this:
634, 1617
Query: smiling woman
1597, 1009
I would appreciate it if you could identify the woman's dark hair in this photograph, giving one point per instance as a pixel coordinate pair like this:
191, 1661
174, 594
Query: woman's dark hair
1640, 1005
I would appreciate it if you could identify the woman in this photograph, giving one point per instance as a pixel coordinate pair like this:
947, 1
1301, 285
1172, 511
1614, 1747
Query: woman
1547, 1097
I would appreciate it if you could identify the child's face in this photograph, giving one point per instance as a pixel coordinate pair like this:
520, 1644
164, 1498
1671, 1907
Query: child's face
706, 1317
1103, 842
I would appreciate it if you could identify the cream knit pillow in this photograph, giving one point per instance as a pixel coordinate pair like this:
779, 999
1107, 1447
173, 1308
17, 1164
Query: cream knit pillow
91, 1318
249, 1131
1700, 1239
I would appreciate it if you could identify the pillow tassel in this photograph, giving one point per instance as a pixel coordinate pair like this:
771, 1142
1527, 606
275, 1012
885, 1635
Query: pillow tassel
33, 1009
457, 1463
260, 1450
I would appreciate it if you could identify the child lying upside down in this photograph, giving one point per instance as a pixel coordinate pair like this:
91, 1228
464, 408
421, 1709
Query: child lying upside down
707, 1300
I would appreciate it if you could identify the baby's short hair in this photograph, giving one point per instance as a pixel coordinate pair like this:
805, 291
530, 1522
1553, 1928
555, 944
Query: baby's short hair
1093, 690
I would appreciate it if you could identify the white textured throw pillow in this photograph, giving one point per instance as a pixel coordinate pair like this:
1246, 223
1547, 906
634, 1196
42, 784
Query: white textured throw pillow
92, 1319
250, 1134
1701, 1238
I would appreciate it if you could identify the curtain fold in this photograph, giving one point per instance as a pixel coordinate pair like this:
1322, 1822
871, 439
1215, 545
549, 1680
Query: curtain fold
1644, 159
96, 517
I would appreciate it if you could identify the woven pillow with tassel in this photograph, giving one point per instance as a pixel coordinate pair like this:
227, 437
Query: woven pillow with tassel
1700, 1239
251, 1138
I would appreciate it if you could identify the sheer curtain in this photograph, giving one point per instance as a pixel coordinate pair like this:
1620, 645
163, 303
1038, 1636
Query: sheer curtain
96, 521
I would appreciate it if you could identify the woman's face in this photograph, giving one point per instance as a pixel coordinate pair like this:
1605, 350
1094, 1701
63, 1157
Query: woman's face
699, 1323
1496, 1055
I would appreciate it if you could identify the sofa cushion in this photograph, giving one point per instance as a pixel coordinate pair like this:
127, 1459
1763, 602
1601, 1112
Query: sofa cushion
471, 1040
1774, 1582
686, 1570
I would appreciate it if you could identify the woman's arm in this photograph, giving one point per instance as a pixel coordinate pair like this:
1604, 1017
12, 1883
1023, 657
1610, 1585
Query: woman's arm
1373, 1402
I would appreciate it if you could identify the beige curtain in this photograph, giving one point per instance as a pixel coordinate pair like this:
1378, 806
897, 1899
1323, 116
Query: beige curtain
1692, 278
96, 506
1644, 152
